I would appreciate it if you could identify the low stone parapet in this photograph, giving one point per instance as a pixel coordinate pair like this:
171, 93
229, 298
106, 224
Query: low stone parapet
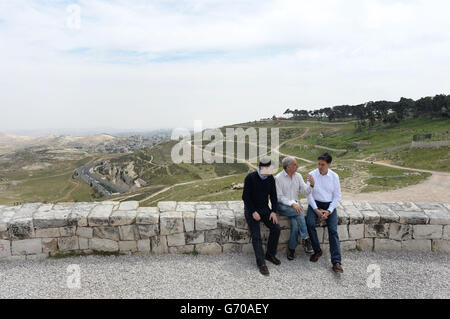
36, 230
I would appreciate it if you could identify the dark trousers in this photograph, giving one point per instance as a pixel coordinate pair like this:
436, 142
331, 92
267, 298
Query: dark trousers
254, 227
333, 238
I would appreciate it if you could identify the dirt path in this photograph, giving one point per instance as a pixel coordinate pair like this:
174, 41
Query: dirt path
436, 188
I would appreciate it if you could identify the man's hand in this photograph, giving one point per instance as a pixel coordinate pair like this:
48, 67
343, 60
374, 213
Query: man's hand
256, 216
325, 213
273, 218
298, 209
310, 179
319, 213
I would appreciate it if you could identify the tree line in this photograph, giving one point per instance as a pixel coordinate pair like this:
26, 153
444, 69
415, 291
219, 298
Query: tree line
383, 111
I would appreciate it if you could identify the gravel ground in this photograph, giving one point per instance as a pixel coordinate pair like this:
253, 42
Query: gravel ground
403, 275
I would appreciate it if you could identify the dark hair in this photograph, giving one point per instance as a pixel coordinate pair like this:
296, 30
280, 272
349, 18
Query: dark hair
325, 157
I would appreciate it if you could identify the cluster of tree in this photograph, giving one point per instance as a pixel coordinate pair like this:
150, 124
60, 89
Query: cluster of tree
385, 111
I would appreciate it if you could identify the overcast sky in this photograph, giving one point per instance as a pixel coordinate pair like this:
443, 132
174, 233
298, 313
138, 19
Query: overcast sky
161, 64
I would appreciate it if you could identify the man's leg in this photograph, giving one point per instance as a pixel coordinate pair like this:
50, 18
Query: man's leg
292, 214
311, 218
274, 234
255, 232
333, 237
302, 229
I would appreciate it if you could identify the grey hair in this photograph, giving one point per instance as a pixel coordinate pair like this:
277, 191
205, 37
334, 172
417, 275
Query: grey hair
287, 161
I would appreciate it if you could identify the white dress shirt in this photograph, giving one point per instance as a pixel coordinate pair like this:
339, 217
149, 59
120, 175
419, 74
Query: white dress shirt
327, 188
288, 188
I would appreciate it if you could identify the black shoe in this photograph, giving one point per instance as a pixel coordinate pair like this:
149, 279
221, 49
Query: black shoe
307, 246
337, 267
273, 259
315, 257
264, 270
291, 254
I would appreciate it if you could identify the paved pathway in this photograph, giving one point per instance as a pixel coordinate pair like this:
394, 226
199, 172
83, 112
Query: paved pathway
413, 275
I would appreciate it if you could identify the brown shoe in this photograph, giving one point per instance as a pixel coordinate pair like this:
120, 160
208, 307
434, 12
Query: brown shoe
264, 270
315, 257
273, 259
337, 267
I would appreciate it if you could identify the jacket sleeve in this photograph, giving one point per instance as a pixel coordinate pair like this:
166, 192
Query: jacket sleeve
273, 195
246, 195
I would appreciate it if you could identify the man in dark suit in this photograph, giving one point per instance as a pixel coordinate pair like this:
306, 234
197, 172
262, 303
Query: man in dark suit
258, 186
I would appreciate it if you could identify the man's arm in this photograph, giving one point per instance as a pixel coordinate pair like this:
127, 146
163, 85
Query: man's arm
282, 198
336, 195
304, 188
246, 195
273, 195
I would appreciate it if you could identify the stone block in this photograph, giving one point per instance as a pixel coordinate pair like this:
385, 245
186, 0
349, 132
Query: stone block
128, 246
26, 247
186, 249
381, 244
171, 222
206, 219
67, 231
348, 245
100, 244
446, 232
167, 206
186, 207
85, 232
128, 232
219, 235
370, 216
240, 221
354, 216
159, 245
226, 218
176, 240
189, 221
232, 248
99, 215
365, 244
5, 249
68, 243
143, 245
122, 217
438, 217
241, 236
147, 215
427, 231
208, 248
412, 217
400, 231
356, 231
107, 232
417, 245
376, 230
440, 245
83, 243
47, 232
146, 231
49, 245
195, 237
128, 205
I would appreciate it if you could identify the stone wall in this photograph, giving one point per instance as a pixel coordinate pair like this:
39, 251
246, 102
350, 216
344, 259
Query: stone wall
38, 230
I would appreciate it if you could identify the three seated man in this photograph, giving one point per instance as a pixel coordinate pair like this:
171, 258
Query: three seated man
323, 192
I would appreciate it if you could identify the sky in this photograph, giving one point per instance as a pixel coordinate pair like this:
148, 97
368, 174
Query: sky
144, 65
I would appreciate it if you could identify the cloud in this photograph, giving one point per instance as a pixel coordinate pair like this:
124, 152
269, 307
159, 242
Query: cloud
141, 64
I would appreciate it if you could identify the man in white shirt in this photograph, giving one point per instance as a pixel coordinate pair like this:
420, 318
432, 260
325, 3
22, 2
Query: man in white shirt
289, 183
323, 201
